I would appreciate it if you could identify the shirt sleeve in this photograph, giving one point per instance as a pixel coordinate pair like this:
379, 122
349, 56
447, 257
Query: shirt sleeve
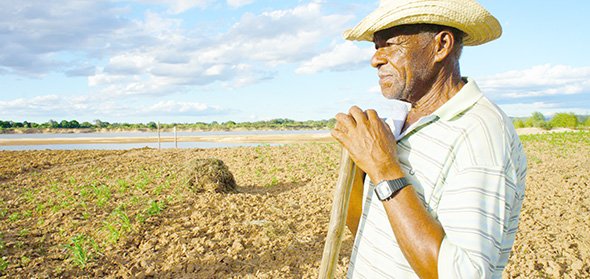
474, 210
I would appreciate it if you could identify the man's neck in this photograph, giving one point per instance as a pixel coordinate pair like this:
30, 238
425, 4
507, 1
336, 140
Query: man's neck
442, 90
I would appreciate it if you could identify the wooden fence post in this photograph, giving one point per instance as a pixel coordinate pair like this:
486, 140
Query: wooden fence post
175, 139
159, 141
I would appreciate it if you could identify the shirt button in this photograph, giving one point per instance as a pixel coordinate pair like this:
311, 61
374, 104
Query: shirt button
412, 172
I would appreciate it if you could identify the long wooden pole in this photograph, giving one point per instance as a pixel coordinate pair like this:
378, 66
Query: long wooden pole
338, 216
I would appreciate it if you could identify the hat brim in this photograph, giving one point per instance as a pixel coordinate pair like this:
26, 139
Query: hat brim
478, 25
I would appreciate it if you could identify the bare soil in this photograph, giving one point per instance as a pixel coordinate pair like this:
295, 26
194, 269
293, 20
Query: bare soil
133, 214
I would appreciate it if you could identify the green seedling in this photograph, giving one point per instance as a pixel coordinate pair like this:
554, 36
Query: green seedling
14, 217
23, 232
155, 208
78, 251
123, 185
3, 264
103, 194
119, 226
24, 260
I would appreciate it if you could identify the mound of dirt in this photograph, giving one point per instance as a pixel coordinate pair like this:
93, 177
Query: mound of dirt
209, 175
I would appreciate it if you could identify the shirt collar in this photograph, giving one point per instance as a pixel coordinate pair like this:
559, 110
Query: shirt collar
464, 99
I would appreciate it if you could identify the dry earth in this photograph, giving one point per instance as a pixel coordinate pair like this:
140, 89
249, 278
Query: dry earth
130, 213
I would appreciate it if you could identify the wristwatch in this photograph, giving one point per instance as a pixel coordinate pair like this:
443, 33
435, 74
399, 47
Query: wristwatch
386, 189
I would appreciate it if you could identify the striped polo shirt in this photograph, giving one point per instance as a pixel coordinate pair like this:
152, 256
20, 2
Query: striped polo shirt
468, 167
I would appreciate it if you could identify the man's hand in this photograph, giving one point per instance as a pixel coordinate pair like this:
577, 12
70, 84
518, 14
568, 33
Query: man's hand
370, 142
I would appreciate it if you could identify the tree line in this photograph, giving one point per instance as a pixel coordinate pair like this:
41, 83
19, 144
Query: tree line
537, 120
559, 120
275, 124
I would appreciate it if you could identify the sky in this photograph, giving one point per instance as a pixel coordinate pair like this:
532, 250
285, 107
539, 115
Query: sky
186, 61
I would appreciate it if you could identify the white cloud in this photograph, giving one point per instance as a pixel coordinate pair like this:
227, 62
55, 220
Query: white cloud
538, 81
156, 54
245, 54
345, 56
239, 3
36, 34
179, 108
179, 6
53, 106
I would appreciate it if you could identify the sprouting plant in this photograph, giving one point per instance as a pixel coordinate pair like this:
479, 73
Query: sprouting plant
119, 225
24, 260
29, 196
78, 251
103, 194
155, 208
27, 213
143, 181
273, 182
23, 232
123, 220
158, 190
114, 233
3, 264
123, 185
14, 217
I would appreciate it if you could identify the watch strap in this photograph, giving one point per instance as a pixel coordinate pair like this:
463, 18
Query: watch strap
386, 189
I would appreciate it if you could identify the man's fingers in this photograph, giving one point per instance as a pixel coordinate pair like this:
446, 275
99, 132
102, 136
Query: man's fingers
372, 116
345, 121
359, 116
340, 136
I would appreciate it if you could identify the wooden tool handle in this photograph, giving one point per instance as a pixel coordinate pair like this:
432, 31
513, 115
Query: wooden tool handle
338, 216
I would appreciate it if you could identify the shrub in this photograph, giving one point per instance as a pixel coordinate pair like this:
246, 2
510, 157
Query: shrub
565, 120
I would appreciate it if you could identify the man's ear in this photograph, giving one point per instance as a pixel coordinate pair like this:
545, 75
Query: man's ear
444, 44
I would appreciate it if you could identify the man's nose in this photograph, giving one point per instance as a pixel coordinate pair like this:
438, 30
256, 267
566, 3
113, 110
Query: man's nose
378, 59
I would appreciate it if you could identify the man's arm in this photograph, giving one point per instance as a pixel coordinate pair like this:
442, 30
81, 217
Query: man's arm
372, 146
355, 207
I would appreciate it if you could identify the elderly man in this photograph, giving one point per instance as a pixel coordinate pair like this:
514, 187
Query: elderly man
444, 199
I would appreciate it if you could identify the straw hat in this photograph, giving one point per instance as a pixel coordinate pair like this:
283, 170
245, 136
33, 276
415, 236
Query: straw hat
468, 16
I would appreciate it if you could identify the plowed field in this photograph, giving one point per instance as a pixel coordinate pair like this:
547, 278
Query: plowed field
88, 214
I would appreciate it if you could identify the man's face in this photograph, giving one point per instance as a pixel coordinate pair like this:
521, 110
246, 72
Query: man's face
404, 63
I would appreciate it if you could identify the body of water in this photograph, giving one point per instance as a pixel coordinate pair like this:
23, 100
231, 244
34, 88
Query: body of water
123, 146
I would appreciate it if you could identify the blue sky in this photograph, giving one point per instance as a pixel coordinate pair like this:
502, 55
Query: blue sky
249, 60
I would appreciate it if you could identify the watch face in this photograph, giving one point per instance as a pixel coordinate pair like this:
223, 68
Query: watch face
383, 190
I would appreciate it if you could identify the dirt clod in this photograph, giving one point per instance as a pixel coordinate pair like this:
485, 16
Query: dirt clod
209, 175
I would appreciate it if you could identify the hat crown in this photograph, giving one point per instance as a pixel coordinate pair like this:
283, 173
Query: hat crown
478, 25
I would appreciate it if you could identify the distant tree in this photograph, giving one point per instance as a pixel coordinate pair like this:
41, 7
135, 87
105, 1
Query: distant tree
86, 125
229, 125
26, 124
52, 124
5, 124
74, 124
152, 125
99, 124
565, 120
518, 123
537, 120
587, 122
